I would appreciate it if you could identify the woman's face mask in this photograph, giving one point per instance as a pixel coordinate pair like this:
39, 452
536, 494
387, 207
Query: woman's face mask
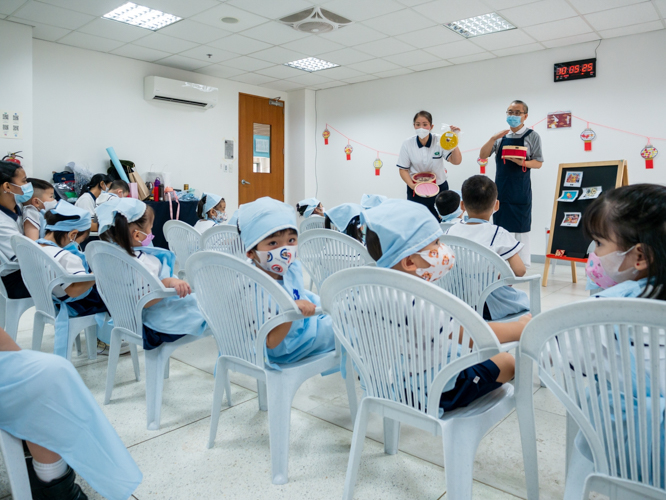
27, 190
605, 270
277, 260
422, 132
441, 260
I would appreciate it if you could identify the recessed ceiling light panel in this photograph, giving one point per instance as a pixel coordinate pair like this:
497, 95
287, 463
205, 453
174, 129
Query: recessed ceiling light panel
311, 64
230, 20
480, 25
143, 17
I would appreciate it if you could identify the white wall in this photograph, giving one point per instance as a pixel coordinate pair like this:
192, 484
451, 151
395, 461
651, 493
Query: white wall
86, 101
627, 94
16, 86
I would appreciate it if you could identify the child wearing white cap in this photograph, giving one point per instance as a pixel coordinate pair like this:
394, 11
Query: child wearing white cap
211, 211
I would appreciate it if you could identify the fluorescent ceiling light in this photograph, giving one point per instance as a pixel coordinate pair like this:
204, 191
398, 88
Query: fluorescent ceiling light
143, 17
480, 25
311, 64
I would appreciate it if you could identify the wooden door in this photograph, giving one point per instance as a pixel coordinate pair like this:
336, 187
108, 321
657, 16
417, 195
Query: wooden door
260, 148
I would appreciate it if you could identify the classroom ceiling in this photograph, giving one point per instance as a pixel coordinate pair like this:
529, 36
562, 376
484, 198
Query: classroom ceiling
387, 37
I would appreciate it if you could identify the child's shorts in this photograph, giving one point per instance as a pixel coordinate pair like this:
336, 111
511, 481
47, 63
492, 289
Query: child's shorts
471, 384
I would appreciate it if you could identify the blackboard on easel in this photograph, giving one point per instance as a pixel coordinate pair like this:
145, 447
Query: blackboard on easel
572, 240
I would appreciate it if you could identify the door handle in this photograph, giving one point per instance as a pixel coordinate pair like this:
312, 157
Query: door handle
243, 181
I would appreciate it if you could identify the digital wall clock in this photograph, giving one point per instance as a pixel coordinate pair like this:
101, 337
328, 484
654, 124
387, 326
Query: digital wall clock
575, 70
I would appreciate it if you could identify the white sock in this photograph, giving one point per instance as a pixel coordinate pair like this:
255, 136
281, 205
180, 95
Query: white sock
49, 472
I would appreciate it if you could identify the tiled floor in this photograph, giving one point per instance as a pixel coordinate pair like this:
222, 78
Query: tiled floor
177, 465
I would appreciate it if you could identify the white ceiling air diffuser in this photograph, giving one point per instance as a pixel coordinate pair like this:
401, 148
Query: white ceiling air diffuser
315, 20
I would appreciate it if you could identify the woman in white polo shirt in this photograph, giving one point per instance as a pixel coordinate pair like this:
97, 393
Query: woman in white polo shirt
423, 153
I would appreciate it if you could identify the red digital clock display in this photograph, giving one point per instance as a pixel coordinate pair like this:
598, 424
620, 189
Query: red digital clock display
575, 70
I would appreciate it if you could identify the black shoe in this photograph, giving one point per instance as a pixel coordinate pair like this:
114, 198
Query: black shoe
63, 488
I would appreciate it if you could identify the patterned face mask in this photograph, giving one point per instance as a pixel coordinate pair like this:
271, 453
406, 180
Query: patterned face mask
605, 270
277, 260
441, 261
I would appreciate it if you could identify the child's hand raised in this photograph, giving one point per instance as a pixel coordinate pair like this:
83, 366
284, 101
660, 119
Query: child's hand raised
181, 287
307, 308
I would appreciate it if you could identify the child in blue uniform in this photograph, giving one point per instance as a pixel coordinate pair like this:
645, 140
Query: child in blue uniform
211, 211
447, 205
268, 231
310, 206
403, 236
346, 218
129, 223
369, 201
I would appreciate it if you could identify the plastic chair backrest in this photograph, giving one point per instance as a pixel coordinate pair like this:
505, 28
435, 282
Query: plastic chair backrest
237, 300
602, 487
446, 225
312, 222
403, 334
476, 268
223, 238
124, 284
324, 252
41, 273
598, 356
183, 240
5, 264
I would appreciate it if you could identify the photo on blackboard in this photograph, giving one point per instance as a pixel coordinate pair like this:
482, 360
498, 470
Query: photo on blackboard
590, 193
568, 195
571, 219
573, 179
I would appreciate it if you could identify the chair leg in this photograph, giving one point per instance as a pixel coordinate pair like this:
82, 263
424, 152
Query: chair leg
114, 354
11, 321
280, 397
77, 340
460, 444
350, 383
155, 361
391, 436
37, 332
358, 438
221, 381
12, 452
135, 361
261, 395
579, 468
91, 342
166, 368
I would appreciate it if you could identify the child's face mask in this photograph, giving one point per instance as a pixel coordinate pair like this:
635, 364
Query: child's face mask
277, 260
605, 270
441, 260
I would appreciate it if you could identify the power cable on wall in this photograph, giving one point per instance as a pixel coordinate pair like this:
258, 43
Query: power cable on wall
316, 142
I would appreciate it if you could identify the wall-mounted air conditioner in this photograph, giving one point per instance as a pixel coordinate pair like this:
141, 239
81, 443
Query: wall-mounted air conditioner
156, 88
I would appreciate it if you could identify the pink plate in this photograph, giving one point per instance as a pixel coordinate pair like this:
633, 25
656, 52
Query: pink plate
426, 189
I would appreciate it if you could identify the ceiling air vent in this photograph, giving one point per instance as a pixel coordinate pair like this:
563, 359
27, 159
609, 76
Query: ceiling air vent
315, 20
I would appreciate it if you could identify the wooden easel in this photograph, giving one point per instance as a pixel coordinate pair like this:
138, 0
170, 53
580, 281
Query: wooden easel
621, 179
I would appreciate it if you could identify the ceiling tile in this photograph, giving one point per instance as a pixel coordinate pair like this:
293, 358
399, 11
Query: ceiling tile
90, 42
280, 71
412, 3
632, 30
445, 11
661, 7
373, 66
588, 6
400, 22
329, 85
8, 7
201, 53
571, 40
158, 41
502, 40
341, 73
274, 33
181, 62
432, 65
252, 79
240, 44
539, 12
346, 56
430, 37
624, 16
559, 29
507, 4
456, 49
53, 16
114, 30
472, 58
213, 17
359, 79
43, 31
356, 10
310, 79
286, 85
313, 45
412, 58
521, 49
193, 31
385, 47
95, 8
178, 8
138, 52
220, 71
353, 35
247, 63
278, 55
393, 72
272, 9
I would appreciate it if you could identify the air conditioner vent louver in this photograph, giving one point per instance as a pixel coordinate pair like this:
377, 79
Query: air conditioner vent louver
315, 20
156, 88
179, 101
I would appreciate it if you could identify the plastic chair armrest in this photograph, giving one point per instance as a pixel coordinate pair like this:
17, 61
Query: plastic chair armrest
10, 266
507, 346
522, 279
76, 278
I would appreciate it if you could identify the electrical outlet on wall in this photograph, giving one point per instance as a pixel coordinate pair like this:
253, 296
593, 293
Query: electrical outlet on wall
227, 167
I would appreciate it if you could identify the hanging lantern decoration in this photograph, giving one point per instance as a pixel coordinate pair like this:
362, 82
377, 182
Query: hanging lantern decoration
482, 163
648, 153
326, 134
587, 136
377, 164
348, 151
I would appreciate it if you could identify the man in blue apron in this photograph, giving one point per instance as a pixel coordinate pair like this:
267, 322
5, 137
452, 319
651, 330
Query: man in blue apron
512, 177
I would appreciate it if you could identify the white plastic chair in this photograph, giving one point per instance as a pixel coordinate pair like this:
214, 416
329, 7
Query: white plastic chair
223, 238
242, 305
613, 488
11, 310
585, 353
41, 274
183, 240
389, 323
446, 225
12, 453
478, 271
324, 252
126, 287
312, 222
